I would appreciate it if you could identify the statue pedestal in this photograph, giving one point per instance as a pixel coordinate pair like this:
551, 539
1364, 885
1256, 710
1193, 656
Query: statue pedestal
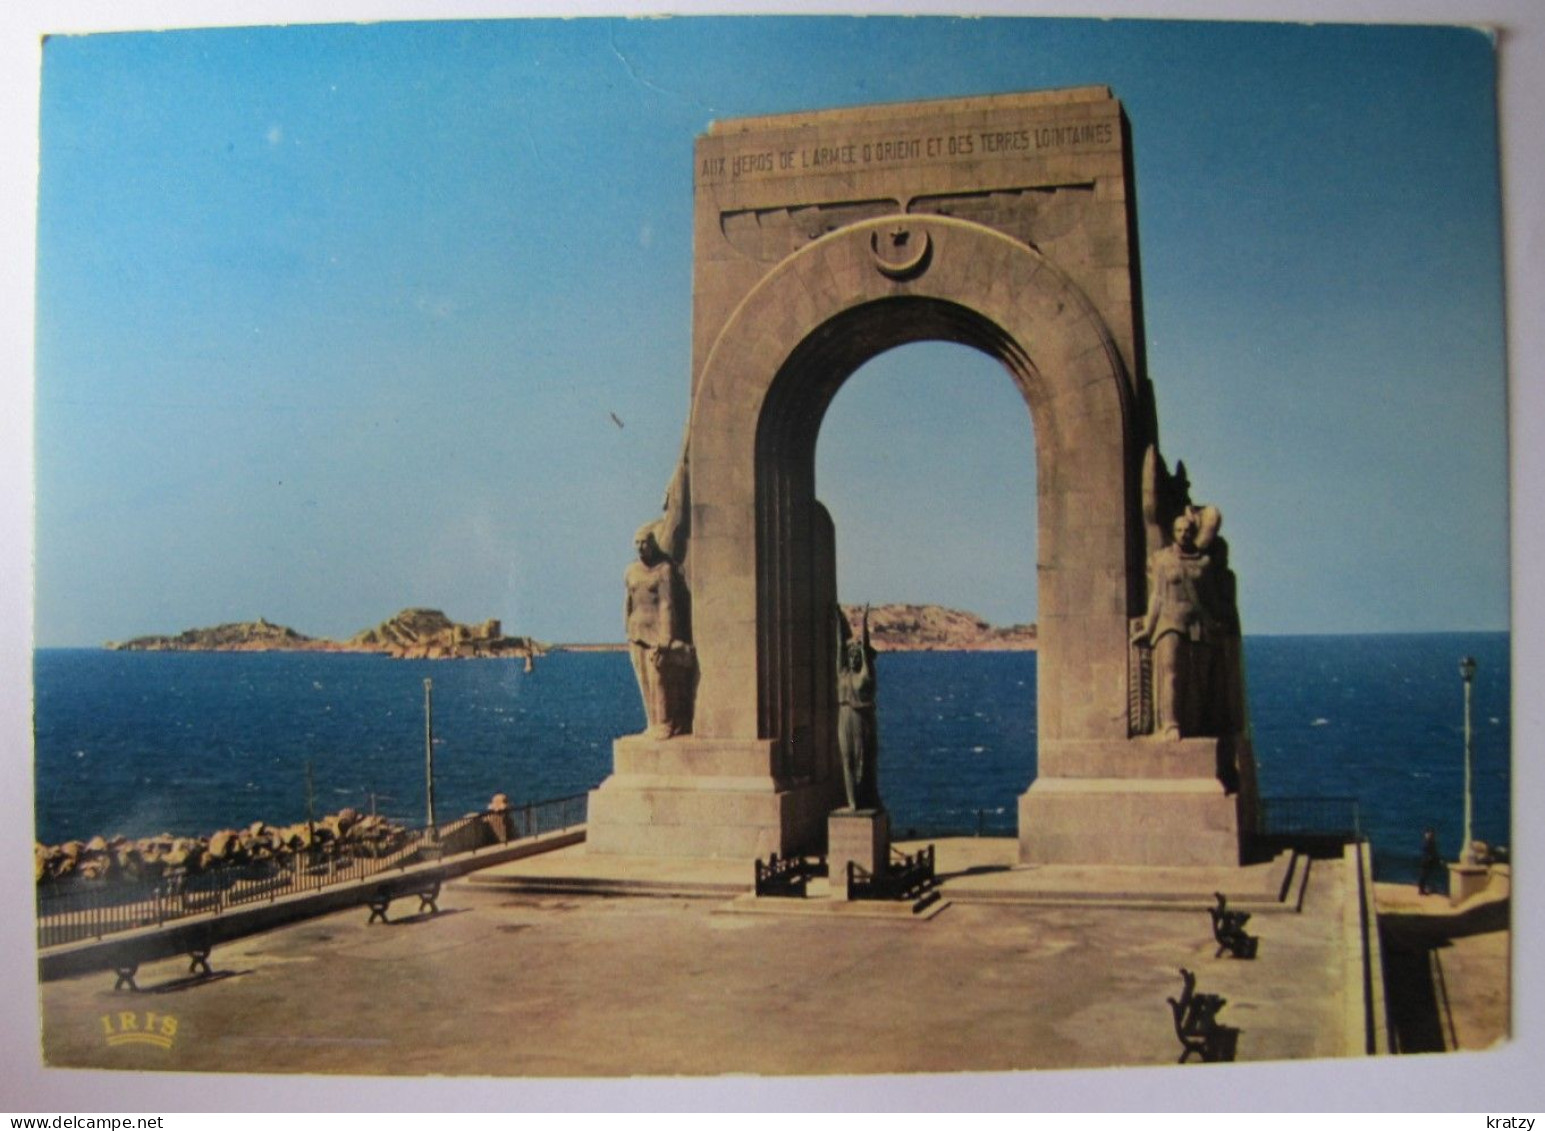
862, 836
1466, 880
1139, 801
691, 796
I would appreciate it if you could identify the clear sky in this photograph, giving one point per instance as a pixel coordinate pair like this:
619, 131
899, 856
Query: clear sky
334, 320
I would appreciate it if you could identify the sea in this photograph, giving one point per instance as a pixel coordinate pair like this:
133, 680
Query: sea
183, 742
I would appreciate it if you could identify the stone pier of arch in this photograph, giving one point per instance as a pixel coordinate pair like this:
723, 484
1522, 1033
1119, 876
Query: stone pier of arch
1006, 223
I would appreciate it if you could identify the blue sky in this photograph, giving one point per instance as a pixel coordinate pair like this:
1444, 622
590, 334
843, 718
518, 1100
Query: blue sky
333, 320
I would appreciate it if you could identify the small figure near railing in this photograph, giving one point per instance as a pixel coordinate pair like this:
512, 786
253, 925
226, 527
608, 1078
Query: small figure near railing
1431, 873
1196, 1023
1228, 929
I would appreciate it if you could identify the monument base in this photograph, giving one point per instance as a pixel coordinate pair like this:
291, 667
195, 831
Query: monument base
702, 797
1144, 801
1466, 880
859, 836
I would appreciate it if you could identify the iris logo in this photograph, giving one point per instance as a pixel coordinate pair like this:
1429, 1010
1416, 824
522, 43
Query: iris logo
131, 1028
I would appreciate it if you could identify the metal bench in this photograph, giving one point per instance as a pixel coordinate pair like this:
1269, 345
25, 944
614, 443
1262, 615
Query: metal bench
1196, 1021
1228, 930
427, 890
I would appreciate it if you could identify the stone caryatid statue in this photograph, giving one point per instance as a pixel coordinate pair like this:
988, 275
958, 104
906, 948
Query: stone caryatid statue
1187, 625
658, 623
857, 735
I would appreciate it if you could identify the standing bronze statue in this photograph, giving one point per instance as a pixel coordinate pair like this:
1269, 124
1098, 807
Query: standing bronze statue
857, 734
1185, 622
659, 636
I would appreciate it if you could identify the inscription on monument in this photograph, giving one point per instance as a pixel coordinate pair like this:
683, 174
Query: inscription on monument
906, 149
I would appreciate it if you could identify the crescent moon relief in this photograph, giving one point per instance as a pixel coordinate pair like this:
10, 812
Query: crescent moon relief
901, 253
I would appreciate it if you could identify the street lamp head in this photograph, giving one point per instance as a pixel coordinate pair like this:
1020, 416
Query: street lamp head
1467, 668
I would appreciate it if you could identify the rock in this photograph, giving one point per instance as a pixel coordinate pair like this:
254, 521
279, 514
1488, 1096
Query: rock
907, 628
242, 636
428, 633
128, 860
224, 845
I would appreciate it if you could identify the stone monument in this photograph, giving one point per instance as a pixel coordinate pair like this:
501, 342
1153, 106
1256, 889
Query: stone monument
858, 736
659, 639
860, 832
1006, 223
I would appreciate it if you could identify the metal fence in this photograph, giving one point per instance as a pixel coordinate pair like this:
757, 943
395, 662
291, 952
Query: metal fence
87, 909
536, 818
1331, 818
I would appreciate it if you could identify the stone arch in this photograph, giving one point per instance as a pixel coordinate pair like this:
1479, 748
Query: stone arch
760, 562
820, 239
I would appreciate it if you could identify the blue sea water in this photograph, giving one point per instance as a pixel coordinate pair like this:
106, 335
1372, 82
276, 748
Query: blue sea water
140, 742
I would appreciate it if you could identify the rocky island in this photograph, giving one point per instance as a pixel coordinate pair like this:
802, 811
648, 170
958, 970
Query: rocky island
426, 634
429, 634
933, 628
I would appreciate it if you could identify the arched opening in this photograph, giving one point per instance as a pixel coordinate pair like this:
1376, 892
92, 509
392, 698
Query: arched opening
759, 545
796, 545
926, 463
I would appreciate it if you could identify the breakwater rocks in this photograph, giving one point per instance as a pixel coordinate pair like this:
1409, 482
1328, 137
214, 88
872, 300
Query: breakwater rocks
109, 859
426, 634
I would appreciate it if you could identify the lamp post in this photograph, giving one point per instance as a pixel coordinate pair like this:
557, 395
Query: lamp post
311, 810
1467, 673
429, 754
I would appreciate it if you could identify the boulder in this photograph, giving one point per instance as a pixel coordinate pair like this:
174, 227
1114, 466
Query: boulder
224, 845
128, 861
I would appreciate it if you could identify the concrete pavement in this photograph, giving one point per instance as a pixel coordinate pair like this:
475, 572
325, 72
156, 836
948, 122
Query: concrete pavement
1009, 974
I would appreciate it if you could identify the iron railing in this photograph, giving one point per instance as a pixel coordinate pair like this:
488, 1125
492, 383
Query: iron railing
1319, 817
85, 909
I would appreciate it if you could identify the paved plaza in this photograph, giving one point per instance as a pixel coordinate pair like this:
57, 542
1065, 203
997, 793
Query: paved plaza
539, 969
